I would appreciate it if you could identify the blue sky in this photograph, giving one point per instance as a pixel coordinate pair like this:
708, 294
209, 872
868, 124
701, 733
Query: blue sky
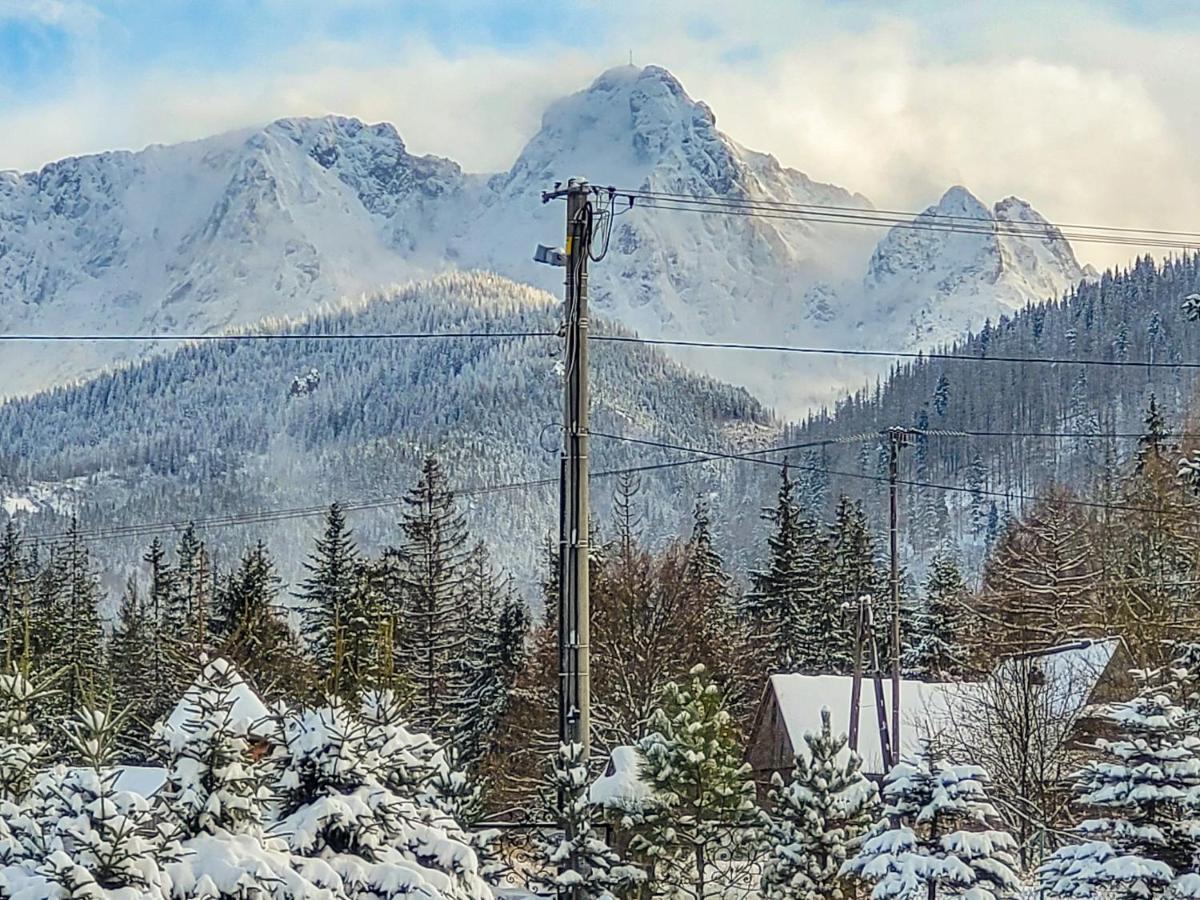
893, 99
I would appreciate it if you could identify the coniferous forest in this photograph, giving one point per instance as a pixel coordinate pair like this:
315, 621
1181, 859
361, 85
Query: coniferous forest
417, 670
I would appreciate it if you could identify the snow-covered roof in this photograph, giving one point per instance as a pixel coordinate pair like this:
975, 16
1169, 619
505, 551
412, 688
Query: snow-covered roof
801, 698
621, 784
141, 780
1071, 674
1071, 670
248, 714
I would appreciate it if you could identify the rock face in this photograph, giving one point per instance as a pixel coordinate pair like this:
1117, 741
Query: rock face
282, 220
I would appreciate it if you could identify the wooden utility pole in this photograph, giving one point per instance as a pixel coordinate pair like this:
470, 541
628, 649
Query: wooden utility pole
897, 438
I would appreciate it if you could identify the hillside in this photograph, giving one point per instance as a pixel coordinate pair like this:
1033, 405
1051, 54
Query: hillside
1123, 317
213, 428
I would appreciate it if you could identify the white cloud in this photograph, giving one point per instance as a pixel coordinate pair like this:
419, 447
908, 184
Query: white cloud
1086, 118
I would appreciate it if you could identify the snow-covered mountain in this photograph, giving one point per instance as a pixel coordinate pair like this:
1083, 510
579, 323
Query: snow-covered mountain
933, 286
284, 219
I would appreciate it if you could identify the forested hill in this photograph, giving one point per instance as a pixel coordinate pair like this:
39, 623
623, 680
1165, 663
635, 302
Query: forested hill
217, 429
1127, 316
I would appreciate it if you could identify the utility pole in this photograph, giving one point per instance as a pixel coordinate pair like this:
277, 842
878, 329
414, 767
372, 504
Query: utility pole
574, 624
897, 438
573, 600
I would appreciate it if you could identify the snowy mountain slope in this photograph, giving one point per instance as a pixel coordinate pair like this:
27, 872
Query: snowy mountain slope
211, 429
288, 218
196, 237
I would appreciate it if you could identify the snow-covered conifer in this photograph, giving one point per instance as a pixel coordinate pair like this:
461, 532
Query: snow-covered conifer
702, 800
1145, 796
214, 797
937, 635
597, 871
77, 836
22, 746
817, 819
935, 835
334, 805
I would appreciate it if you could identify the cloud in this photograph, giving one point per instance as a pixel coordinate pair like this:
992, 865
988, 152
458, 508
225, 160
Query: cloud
1078, 112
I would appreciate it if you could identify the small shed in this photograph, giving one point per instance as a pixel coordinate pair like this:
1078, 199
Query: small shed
1080, 677
791, 705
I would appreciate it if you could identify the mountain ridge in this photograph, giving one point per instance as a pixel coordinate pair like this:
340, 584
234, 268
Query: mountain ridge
304, 212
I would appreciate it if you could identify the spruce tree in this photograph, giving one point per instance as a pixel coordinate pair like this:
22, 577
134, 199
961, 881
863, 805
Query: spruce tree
252, 632
1153, 442
938, 646
214, 798
575, 857
935, 836
499, 627
817, 819
66, 622
190, 611
976, 484
431, 630
160, 683
23, 742
127, 665
852, 572
786, 595
77, 836
15, 588
334, 804
1142, 795
335, 622
702, 799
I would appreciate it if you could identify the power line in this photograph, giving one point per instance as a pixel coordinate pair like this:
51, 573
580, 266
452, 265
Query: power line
906, 214
1028, 498
910, 221
257, 517
271, 336
887, 354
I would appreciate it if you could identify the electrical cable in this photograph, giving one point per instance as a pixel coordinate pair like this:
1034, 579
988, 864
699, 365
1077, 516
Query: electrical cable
886, 354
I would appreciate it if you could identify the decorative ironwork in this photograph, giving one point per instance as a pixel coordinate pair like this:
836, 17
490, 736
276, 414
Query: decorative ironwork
729, 866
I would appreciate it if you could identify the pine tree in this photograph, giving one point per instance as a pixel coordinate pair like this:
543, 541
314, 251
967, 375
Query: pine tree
1141, 839
935, 835
431, 632
701, 797
817, 819
334, 616
575, 858
938, 645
